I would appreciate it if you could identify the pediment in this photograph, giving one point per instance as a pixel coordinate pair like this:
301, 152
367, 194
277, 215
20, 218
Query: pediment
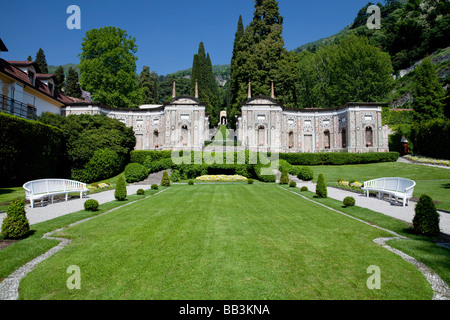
185, 100
262, 101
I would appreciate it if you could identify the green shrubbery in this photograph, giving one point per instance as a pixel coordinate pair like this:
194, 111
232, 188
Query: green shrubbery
318, 159
154, 187
175, 176
305, 174
292, 184
91, 205
304, 189
191, 182
15, 225
84, 135
349, 202
284, 179
104, 164
432, 138
165, 180
250, 181
135, 172
321, 187
140, 192
121, 189
29, 150
426, 219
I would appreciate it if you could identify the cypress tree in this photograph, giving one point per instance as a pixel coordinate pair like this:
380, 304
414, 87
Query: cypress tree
321, 187
202, 72
41, 61
260, 57
148, 82
232, 108
72, 86
60, 77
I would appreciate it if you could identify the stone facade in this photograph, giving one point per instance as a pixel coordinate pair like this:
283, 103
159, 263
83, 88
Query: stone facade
180, 124
355, 127
264, 125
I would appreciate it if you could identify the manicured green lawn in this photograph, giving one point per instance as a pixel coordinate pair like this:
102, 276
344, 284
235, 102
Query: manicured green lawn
430, 180
224, 242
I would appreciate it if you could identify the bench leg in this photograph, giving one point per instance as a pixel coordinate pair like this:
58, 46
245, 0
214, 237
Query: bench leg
52, 199
32, 203
67, 196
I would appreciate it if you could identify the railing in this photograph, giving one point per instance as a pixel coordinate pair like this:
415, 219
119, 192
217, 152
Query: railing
17, 108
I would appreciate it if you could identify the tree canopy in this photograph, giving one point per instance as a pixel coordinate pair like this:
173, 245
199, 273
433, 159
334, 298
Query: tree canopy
108, 67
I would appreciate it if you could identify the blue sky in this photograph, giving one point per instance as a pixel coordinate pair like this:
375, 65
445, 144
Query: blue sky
167, 32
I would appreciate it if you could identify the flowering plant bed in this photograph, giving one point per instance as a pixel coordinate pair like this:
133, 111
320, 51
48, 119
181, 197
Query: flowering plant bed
221, 178
428, 160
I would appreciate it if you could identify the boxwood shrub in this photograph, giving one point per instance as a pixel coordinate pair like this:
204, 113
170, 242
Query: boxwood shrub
135, 172
91, 205
16, 224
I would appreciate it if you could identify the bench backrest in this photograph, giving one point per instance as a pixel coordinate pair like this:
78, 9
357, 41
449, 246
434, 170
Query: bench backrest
392, 184
52, 185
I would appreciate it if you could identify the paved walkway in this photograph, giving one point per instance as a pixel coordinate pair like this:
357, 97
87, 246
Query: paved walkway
61, 208
396, 211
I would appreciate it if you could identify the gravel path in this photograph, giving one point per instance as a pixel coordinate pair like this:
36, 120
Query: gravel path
61, 208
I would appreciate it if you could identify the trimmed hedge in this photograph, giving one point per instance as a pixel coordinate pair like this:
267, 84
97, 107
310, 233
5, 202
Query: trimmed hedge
318, 159
29, 150
432, 138
140, 156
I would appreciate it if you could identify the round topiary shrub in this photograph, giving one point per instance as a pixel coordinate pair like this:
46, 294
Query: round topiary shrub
304, 188
349, 202
292, 184
154, 187
16, 224
140, 192
191, 182
121, 189
305, 174
165, 180
321, 187
426, 220
135, 172
284, 179
91, 205
250, 181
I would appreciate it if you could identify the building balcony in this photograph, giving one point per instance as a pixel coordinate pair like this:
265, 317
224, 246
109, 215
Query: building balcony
17, 108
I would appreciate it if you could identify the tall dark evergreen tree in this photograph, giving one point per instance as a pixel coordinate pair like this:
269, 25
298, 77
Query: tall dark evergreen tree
29, 58
41, 61
428, 93
202, 73
232, 88
60, 77
261, 58
72, 84
148, 82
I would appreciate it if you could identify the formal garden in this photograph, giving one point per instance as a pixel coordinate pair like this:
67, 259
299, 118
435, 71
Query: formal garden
225, 231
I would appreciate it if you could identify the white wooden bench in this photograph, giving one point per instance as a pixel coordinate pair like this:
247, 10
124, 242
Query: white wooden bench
48, 188
399, 188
